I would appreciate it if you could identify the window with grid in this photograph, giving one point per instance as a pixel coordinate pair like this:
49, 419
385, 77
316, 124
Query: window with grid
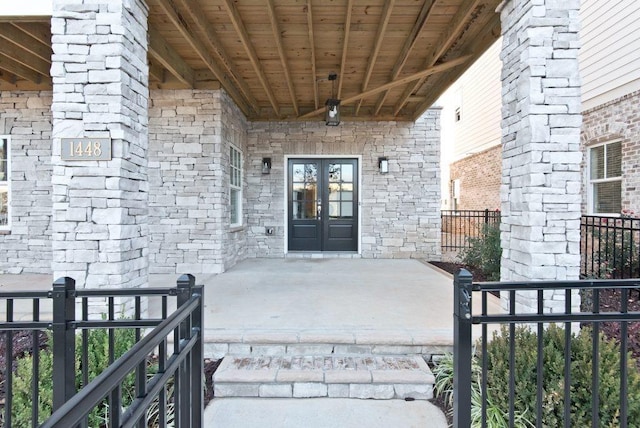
605, 178
4, 183
235, 186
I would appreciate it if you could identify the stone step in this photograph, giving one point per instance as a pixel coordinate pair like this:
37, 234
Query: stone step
335, 376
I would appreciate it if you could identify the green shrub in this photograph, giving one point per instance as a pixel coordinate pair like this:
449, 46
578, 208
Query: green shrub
485, 251
98, 360
553, 380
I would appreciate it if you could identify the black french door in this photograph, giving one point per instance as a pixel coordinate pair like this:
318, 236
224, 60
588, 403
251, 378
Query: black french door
323, 204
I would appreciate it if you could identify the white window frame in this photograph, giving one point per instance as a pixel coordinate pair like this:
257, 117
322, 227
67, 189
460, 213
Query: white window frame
591, 181
7, 182
233, 187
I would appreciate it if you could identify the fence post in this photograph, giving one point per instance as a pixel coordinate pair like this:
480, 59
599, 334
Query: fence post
183, 384
197, 361
64, 341
462, 349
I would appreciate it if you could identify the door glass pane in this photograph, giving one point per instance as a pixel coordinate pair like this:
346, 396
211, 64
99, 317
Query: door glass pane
334, 172
305, 172
4, 205
334, 192
334, 209
347, 209
304, 210
347, 173
347, 196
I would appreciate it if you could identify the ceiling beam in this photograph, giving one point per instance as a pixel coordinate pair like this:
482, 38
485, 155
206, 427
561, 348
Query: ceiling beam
345, 46
215, 45
176, 16
26, 59
40, 32
409, 43
8, 64
251, 52
402, 81
25, 41
277, 35
382, 28
8, 77
169, 58
156, 71
454, 30
313, 54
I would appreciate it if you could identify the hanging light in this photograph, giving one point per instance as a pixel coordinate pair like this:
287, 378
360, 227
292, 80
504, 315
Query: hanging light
332, 115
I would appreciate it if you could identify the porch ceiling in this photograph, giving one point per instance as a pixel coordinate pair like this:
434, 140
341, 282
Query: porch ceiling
393, 57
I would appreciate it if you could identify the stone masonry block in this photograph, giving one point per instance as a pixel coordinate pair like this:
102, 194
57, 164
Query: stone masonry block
338, 391
276, 391
309, 390
415, 391
371, 391
236, 390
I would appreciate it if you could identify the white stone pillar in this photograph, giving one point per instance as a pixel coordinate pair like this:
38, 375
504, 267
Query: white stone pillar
541, 119
100, 90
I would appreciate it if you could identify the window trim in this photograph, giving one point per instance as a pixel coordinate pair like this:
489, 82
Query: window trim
592, 181
233, 187
7, 180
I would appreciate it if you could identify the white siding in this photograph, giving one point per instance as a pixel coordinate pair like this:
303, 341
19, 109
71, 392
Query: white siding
610, 55
478, 94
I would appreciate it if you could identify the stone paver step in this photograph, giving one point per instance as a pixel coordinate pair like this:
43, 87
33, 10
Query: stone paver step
336, 376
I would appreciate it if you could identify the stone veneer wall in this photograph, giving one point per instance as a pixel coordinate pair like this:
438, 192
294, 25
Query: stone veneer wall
400, 210
617, 120
189, 136
26, 118
480, 175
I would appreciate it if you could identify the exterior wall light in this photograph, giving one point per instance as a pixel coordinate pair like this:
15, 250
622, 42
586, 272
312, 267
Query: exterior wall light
383, 165
266, 165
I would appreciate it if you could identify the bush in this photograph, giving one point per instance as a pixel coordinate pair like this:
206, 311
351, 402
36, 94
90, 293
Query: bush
485, 251
98, 359
553, 380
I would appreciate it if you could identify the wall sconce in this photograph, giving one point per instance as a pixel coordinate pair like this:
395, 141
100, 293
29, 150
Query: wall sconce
383, 165
332, 115
266, 165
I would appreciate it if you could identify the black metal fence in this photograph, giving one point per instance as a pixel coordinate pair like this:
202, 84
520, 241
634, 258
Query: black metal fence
153, 366
609, 247
460, 225
591, 319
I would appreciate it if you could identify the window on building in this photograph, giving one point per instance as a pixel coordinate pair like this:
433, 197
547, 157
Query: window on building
235, 186
605, 178
4, 183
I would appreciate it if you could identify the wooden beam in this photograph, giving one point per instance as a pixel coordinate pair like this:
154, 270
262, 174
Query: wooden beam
169, 58
454, 30
40, 32
253, 56
215, 45
8, 77
402, 81
283, 58
382, 28
25, 41
345, 46
409, 43
26, 59
8, 64
156, 71
313, 54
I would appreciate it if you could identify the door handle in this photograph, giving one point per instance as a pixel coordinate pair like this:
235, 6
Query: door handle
319, 211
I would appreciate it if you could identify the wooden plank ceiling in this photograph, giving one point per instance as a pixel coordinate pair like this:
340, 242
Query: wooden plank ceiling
273, 57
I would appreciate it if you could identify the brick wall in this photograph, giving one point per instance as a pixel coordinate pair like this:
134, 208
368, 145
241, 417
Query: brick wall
400, 211
617, 120
26, 118
480, 175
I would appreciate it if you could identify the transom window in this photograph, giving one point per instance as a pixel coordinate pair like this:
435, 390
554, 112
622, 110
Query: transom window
605, 178
235, 186
5, 181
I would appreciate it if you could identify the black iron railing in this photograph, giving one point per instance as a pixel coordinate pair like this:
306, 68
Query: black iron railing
590, 321
160, 368
460, 225
609, 247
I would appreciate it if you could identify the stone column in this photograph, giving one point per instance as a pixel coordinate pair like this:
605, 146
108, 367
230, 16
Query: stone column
541, 119
100, 90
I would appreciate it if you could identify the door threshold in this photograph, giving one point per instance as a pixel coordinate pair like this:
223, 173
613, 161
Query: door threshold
323, 255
